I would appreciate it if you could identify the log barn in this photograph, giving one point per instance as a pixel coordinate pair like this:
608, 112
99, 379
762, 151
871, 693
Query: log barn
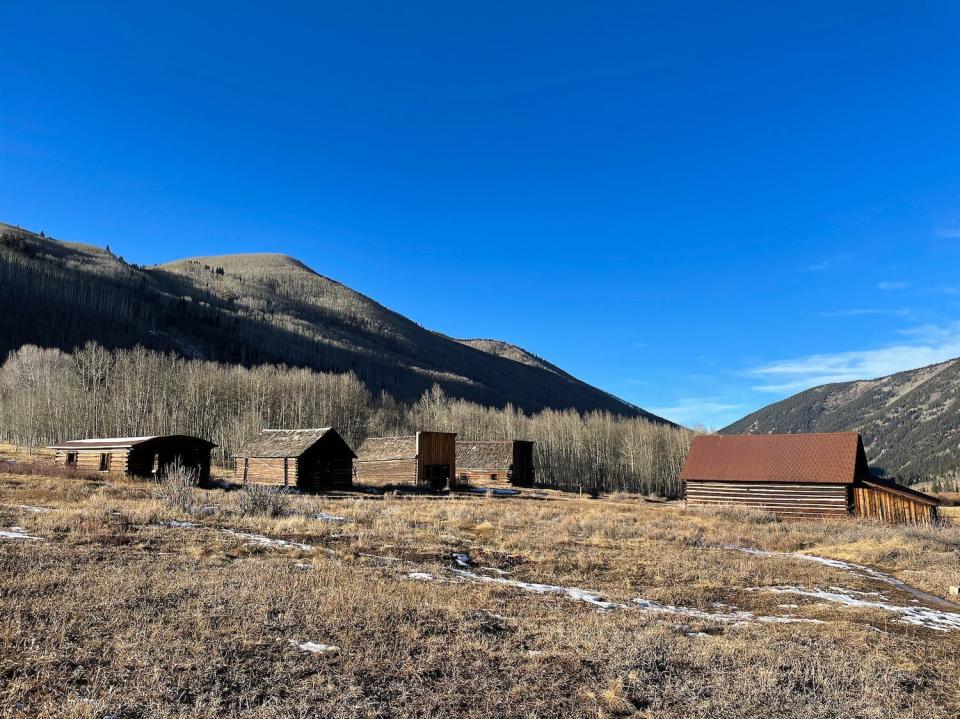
308, 459
136, 456
798, 476
427, 459
495, 463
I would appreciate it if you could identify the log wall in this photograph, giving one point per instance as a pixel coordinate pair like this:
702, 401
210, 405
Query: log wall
483, 477
88, 460
788, 500
387, 471
282, 471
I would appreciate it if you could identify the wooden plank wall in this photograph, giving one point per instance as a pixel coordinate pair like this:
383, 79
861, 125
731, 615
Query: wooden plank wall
436, 448
267, 470
877, 503
386, 471
797, 500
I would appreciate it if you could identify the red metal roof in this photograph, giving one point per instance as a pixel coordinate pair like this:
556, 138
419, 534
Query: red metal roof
829, 458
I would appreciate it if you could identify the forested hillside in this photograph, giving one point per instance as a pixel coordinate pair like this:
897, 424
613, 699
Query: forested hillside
254, 309
47, 395
910, 421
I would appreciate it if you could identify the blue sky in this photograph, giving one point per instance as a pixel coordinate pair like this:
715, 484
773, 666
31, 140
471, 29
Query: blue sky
699, 208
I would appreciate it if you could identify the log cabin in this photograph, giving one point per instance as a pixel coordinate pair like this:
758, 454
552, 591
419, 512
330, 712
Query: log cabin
309, 459
798, 476
137, 456
427, 459
494, 463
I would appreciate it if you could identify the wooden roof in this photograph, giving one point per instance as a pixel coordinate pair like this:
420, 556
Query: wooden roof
384, 448
285, 442
825, 458
484, 455
123, 442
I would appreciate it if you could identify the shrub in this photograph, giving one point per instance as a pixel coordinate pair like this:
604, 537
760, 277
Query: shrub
263, 500
177, 485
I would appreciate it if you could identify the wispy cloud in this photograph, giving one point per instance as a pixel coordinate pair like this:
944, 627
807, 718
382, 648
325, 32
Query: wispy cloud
894, 285
707, 411
951, 232
926, 345
860, 312
828, 263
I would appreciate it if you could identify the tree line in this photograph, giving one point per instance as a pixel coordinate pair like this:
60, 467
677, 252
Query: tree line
47, 395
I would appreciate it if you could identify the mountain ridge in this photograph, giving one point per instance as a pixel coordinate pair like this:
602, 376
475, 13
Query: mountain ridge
256, 308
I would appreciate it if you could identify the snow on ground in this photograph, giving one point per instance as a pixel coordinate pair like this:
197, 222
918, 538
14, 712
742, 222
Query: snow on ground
580, 595
315, 648
181, 525
421, 576
251, 539
858, 570
35, 510
921, 616
261, 540
324, 517
16, 533
731, 617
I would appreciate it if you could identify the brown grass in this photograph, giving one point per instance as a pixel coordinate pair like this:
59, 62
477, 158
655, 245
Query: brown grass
117, 613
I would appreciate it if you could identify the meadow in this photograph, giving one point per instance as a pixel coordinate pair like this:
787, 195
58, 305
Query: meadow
113, 603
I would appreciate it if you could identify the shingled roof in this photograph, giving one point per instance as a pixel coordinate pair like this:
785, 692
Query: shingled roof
283, 442
824, 458
376, 449
484, 455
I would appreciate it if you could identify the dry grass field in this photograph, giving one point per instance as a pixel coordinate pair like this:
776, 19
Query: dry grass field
114, 605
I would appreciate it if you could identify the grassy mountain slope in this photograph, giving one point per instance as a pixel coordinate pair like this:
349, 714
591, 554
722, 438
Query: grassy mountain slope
257, 308
910, 421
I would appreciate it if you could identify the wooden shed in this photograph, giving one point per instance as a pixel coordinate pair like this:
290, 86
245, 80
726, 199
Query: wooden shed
309, 459
427, 459
798, 476
137, 456
495, 462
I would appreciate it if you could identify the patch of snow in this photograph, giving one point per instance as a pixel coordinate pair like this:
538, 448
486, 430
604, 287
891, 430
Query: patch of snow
921, 616
35, 510
580, 595
731, 617
494, 491
180, 525
16, 533
303, 565
462, 560
857, 570
324, 517
316, 648
260, 540
421, 576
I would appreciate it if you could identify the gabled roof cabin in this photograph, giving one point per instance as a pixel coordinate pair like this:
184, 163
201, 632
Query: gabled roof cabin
309, 459
798, 476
